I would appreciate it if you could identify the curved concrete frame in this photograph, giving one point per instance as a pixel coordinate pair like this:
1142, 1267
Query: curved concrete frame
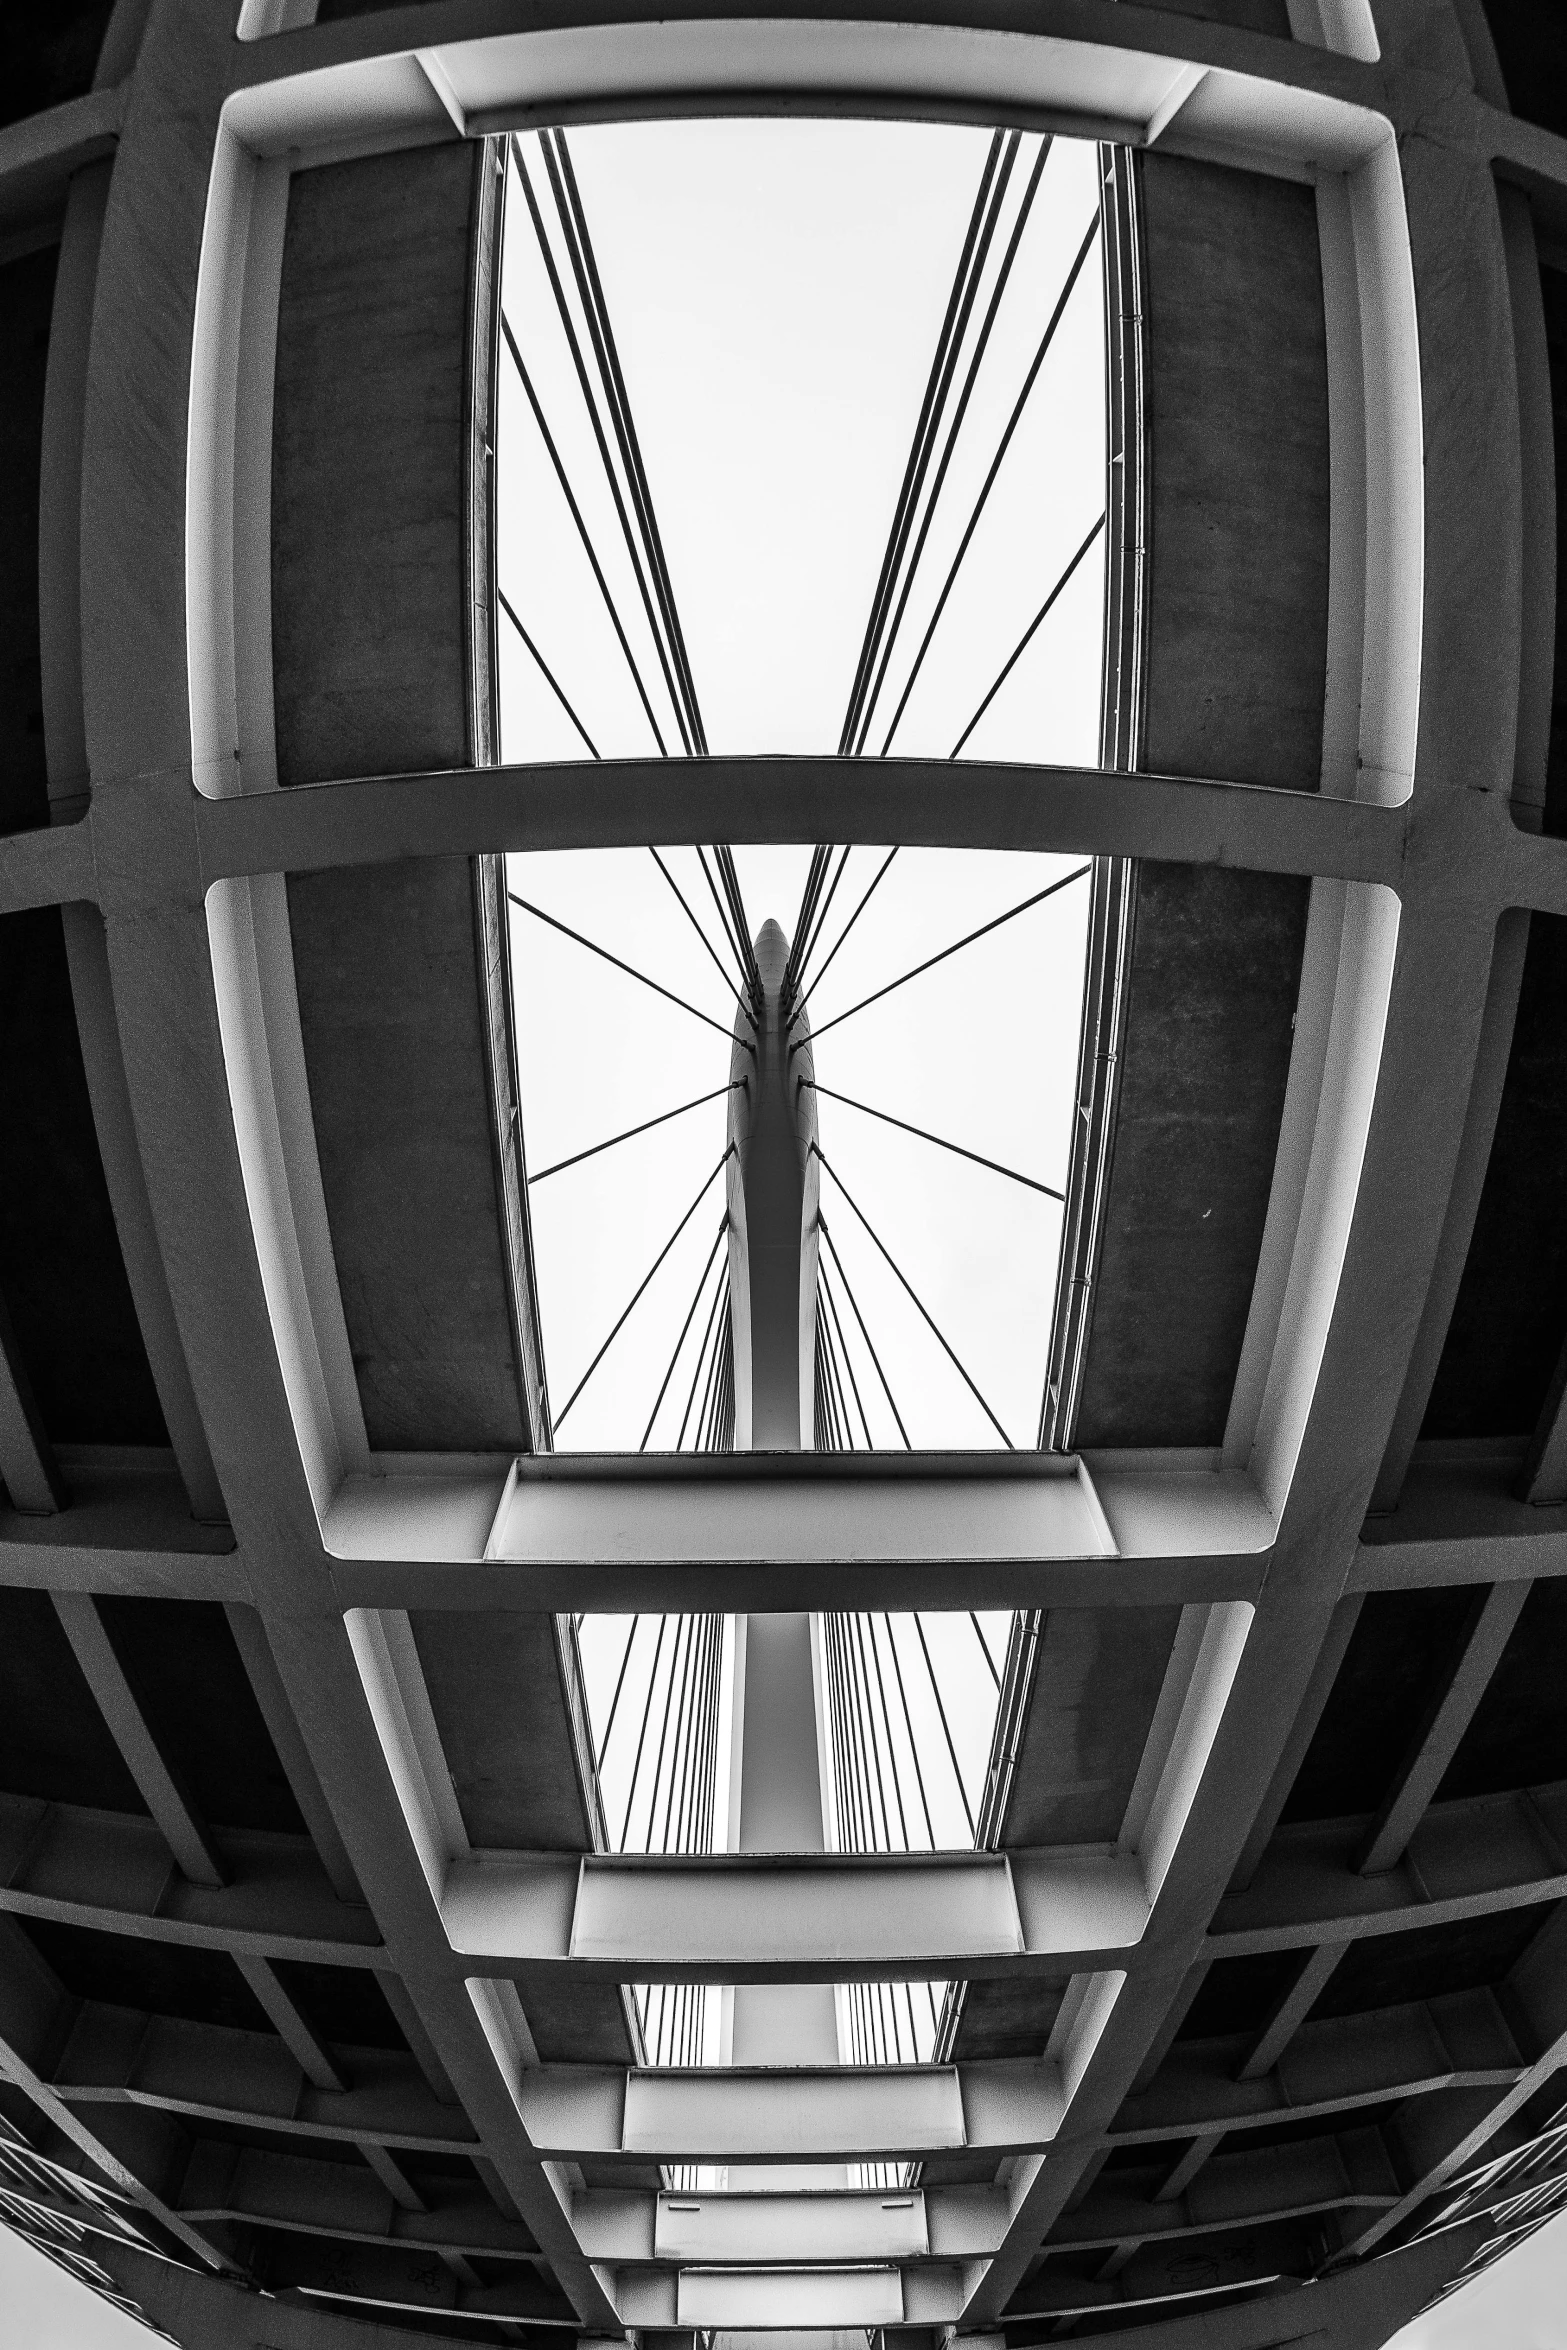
388, 99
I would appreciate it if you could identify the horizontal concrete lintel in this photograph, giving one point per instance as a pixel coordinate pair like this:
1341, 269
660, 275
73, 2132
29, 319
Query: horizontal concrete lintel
1224, 2111
951, 1516
310, 2131
39, 153
1461, 1519
1401, 1917
126, 1527
111, 1872
778, 2297
825, 1917
680, 1588
106, 1572
1064, 811
51, 866
1169, 2223
365, 36
607, 1533
765, 2229
573, 2112
1465, 1859
742, 2228
480, 26
158, 841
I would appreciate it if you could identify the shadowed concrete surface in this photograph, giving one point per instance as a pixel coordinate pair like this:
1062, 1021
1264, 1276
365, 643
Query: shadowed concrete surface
368, 422
26, 297
1237, 656
390, 1010
62, 1275
47, 55
369, 665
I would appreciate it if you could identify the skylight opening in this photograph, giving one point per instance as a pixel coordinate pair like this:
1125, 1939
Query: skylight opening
801, 441
801, 450
943, 1124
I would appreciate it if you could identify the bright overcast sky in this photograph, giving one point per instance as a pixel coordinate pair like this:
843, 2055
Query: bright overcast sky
777, 291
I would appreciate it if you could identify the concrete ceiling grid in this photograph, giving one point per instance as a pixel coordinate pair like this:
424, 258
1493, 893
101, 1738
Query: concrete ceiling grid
1419, 863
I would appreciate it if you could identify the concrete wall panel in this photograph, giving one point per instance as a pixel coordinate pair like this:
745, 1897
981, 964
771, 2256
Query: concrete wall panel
1236, 676
367, 444
369, 426
389, 1006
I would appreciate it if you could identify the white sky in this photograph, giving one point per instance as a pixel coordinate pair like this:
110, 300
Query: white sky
777, 290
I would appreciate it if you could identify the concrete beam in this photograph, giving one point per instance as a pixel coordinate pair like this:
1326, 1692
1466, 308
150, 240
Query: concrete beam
162, 1789
842, 2114
1436, 1742
1438, 2144
849, 1917
689, 1532
767, 2228
36, 2018
1322, 70
208, 2072
1461, 1519
109, 1871
1464, 2148
289, 2022
744, 2299
246, 2186
1255, 2187
763, 2230
829, 1917
1337, 2065
1463, 1860
468, 812
51, 866
473, 811
205, 2314
1291, 2011
125, 1527
1325, 1671
39, 154
1065, 810
369, 2277
261, 1671
1180, 2177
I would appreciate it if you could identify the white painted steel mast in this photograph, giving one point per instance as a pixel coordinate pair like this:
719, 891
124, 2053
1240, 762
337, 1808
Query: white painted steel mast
773, 1191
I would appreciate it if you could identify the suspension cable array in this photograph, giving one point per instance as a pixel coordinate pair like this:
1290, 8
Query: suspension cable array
608, 405
893, 1775
671, 1789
